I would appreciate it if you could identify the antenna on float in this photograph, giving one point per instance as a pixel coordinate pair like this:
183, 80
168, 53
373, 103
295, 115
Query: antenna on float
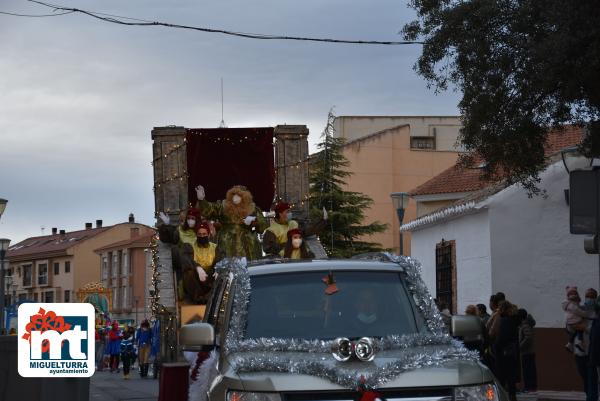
223, 125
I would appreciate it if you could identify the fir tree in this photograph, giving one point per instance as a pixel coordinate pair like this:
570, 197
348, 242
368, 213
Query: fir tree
344, 235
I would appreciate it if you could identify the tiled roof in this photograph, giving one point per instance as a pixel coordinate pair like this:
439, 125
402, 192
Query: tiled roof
457, 178
56, 244
141, 241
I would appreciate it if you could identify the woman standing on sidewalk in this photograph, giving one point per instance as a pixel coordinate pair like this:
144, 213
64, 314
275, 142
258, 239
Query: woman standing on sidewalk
114, 346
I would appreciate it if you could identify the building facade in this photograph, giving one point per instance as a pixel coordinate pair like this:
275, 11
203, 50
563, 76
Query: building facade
395, 154
498, 238
52, 268
124, 270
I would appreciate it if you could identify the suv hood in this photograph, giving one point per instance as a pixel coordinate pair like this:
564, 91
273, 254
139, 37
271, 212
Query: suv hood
446, 374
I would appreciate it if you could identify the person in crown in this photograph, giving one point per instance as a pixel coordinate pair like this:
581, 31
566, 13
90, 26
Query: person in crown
240, 221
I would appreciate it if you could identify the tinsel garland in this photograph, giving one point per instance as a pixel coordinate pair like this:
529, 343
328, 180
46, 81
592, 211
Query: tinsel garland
312, 356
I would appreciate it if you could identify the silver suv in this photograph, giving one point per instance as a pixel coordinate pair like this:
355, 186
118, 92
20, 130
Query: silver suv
331, 330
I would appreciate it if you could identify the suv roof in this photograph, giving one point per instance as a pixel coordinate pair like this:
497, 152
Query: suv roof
286, 266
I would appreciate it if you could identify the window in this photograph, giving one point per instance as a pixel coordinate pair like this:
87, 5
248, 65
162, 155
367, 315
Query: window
35, 297
369, 303
124, 264
22, 297
67, 296
445, 274
115, 266
422, 142
48, 296
27, 275
43, 274
67, 267
124, 297
104, 268
56, 268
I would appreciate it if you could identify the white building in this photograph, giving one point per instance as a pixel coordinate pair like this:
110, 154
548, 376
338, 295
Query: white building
497, 238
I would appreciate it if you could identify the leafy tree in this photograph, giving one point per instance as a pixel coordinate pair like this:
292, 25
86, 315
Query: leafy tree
523, 66
341, 238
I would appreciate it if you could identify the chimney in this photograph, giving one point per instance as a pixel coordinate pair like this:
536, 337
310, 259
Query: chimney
63, 235
98, 223
135, 232
131, 218
88, 226
62, 232
54, 230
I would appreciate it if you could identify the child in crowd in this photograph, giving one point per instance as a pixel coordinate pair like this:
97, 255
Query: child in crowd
575, 320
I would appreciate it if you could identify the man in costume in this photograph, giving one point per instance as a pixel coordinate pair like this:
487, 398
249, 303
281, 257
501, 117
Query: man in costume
295, 247
275, 237
177, 236
198, 267
240, 221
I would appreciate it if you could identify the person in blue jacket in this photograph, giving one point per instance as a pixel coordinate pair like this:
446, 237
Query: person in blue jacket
144, 341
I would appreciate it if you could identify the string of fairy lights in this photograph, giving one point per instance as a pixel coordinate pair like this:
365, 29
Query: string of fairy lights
156, 307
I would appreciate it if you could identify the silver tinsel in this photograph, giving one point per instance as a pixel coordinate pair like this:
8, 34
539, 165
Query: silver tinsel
312, 356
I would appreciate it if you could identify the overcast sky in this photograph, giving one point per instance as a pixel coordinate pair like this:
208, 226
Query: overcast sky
79, 96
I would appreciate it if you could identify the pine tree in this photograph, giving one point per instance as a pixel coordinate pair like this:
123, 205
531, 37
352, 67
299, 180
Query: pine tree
344, 235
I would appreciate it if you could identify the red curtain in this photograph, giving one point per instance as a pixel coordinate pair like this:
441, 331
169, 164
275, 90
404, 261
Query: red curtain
219, 158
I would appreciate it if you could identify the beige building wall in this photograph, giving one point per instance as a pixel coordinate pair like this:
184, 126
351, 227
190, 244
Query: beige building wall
85, 266
444, 128
385, 163
86, 262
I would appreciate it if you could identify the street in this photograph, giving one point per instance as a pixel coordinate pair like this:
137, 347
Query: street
106, 386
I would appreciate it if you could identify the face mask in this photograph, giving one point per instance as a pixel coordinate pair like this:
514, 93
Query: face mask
367, 319
296, 242
191, 223
203, 240
289, 215
236, 199
590, 301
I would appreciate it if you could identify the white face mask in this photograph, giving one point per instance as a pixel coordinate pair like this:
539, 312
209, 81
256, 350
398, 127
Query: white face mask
191, 223
296, 242
289, 215
366, 319
236, 199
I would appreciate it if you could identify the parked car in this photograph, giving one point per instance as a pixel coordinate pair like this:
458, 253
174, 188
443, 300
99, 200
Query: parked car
332, 330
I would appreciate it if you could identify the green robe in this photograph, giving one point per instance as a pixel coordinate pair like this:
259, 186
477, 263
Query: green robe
234, 239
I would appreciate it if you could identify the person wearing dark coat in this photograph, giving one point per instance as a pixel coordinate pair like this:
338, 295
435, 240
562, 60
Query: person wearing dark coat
527, 348
506, 349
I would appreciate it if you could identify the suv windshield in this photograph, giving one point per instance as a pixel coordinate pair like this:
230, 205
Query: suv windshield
295, 305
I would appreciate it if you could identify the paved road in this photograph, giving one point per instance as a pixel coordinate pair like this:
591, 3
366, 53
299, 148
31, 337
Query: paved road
106, 386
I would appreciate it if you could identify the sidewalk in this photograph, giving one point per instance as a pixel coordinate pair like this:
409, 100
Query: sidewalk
552, 396
106, 386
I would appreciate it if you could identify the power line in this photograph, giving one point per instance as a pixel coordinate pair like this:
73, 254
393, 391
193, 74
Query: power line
117, 19
35, 15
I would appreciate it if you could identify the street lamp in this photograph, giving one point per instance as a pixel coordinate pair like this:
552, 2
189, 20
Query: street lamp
4, 243
573, 160
400, 202
3, 203
9, 282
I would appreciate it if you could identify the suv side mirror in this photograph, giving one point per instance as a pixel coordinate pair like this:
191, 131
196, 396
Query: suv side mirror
197, 336
467, 327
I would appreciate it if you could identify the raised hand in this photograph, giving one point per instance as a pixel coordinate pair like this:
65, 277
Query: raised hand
164, 218
249, 220
200, 192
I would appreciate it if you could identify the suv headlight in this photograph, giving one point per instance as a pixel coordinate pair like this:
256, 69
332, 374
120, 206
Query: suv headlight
234, 395
485, 392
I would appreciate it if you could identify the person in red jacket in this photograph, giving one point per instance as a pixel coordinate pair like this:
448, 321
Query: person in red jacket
114, 346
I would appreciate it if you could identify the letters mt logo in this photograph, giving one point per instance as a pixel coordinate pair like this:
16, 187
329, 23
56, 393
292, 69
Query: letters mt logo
56, 340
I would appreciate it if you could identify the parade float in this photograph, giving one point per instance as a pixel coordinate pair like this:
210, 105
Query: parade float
195, 172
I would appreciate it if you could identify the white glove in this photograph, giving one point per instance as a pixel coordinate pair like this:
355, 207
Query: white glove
165, 219
201, 273
200, 192
248, 220
325, 214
